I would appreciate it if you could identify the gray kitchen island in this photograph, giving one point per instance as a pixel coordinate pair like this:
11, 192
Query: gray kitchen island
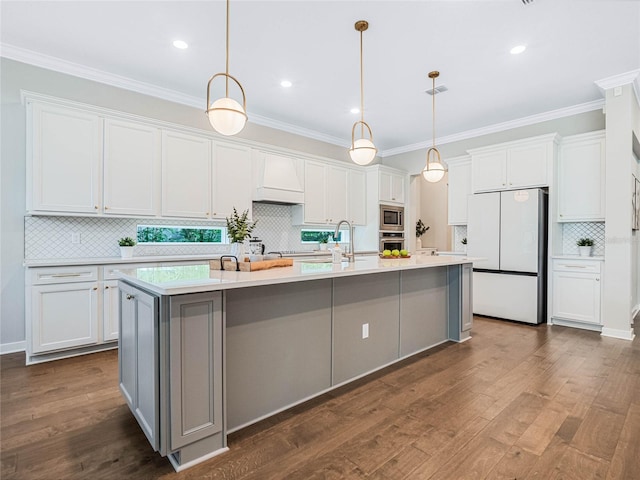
206, 352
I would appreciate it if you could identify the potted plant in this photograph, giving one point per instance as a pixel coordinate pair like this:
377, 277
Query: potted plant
323, 240
421, 229
238, 228
584, 246
126, 247
464, 244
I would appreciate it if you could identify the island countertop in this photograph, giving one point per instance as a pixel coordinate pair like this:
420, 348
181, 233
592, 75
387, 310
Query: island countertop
181, 279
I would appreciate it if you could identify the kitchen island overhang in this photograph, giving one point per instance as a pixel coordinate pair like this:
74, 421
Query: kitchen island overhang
213, 351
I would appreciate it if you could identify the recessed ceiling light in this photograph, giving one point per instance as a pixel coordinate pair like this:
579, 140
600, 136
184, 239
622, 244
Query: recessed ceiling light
285, 83
355, 110
518, 49
181, 44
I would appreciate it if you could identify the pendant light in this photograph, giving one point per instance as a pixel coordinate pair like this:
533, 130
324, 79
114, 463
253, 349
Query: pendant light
362, 150
226, 116
434, 170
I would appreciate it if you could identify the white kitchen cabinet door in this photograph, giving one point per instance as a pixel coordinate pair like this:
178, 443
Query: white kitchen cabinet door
581, 178
64, 160
458, 192
110, 312
357, 191
527, 166
63, 316
131, 169
231, 183
489, 171
337, 193
315, 190
576, 296
391, 187
186, 175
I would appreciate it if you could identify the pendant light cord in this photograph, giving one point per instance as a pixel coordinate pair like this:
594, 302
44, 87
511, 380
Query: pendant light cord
361, 90
227, 54
433, 112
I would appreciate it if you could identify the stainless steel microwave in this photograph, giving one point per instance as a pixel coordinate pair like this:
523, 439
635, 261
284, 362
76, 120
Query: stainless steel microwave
391, 218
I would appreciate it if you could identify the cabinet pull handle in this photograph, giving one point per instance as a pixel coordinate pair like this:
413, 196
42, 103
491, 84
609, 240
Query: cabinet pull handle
95, 288
106, 208
95, 207
61, 275
597, 279
106, 287
129, 296
575, 266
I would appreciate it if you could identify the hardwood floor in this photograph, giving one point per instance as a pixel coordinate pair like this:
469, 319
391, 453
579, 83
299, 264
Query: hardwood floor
515, 402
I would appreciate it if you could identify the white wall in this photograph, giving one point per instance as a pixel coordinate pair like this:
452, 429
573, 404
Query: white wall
15, 76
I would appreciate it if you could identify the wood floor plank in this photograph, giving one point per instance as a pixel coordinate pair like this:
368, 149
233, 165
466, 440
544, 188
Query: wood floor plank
516, 401
626, 459
599, 433
514, 465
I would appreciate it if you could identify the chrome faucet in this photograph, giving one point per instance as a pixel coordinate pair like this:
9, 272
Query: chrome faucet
352, 254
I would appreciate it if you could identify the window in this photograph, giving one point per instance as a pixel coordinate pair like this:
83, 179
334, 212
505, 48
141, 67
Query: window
148, 234
317, 236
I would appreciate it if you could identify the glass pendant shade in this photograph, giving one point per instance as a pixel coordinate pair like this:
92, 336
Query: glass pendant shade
363, 151
227, 116
433, 172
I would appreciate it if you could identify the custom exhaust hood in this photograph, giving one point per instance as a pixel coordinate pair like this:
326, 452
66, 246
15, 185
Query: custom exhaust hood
278, 179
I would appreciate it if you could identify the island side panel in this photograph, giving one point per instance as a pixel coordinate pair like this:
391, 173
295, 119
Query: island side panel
372, 301
278, 347
423, 309
460, 279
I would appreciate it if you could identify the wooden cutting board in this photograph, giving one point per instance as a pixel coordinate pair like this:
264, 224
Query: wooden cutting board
251, 266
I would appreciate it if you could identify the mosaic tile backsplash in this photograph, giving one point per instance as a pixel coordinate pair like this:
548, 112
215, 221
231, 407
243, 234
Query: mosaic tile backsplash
572, 232
459, 232
50, 237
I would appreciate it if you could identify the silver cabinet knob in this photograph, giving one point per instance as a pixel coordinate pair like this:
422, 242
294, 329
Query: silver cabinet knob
129, 296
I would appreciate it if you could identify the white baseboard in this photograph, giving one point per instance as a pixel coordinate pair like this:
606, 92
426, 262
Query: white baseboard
615, 333
12, 347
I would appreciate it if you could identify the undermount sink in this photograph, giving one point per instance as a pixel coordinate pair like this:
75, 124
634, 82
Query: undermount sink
327, 260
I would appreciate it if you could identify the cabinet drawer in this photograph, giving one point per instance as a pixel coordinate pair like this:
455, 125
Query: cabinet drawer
577, 266
50, 275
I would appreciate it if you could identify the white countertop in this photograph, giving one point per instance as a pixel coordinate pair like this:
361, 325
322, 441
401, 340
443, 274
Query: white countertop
180, 279
63, 262
576, 257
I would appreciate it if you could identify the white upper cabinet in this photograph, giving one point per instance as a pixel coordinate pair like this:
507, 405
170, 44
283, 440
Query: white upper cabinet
327, 194
391, 187
459, 189
186, 175
357, 204
131, 169
581, 178
64, 148
514, 165
337, 193
231, 183
489, 171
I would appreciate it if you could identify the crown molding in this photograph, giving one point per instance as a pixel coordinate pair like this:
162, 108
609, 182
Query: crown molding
56, 64
632, 77
500, 127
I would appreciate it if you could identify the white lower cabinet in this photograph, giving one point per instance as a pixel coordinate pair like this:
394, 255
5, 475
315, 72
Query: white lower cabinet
577, 288
64, 316
110, 313
72, 310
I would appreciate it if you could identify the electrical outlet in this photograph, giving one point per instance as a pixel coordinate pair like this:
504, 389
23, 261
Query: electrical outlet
365, 330
75, 237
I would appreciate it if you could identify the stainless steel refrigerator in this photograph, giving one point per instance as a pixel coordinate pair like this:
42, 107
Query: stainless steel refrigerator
509, 231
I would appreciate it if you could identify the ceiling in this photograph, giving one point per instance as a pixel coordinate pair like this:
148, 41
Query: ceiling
570, 45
